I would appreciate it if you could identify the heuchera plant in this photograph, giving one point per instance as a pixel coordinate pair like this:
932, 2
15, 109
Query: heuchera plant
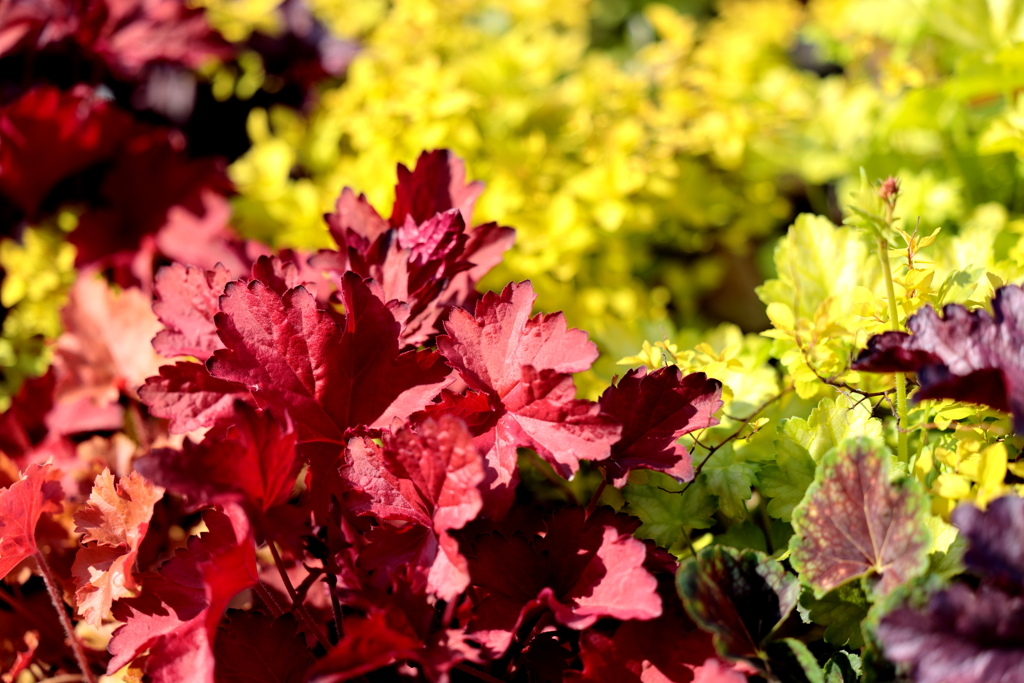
327, 484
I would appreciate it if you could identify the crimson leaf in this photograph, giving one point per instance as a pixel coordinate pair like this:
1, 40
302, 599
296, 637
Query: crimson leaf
37, 493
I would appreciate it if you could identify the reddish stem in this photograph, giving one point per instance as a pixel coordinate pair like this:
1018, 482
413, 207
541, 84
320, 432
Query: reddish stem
268, 600
596, 498
466, 668
62, 612
296, 603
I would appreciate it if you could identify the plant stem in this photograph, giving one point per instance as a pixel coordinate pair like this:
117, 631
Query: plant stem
296, 603
596, 498
466, 668
62, 612
268, 599
894, 319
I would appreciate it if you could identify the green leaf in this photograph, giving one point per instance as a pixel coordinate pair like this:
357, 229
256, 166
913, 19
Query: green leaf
854, 522
651, 496
844, 667
743, 537
790, 660
801, 443
841, 611
730, 478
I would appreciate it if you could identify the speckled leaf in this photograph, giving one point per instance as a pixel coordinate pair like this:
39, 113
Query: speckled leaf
853, 522
741, 598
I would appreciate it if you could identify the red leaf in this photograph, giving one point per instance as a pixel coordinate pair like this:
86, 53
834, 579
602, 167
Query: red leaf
655, 411
47, 135
23, 658
187, 300
37, 493
490, 348
176, 616
23, 425
253, 648
36, 23
295, 358
967, 356
105, 348
430, 477
188, 396
114, 522
400, 626
582, 569
248, 458
131, 34
436, 184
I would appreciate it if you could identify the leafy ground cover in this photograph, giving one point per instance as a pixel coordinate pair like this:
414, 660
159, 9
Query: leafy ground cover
257, 427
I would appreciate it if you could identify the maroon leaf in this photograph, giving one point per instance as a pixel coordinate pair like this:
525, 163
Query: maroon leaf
295, 358
187, 300
582, 569
436, 184
852, 522
430, 477
995, 541
963, 635
47, 135
253, 648
175, 618
655, 410
114, 521
188, 396
968, 356
37, 493
249, 459
23, 425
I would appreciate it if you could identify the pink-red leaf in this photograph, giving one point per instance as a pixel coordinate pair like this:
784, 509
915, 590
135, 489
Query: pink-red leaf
187, 300
253, 648
37, 493
175, 618
114, 521
191, 398
295, 358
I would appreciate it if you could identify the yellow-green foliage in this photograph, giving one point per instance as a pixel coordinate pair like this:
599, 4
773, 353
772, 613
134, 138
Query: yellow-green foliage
601, 166
39, 271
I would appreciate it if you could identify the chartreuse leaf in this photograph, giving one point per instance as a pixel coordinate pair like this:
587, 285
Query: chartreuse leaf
843, 667
801, 443
841, 612
742, 598
730, 477
854, 522
654, 497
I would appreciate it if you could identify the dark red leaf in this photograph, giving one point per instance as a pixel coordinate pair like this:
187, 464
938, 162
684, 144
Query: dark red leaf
114, 521
253, 648
188, 396
969, 356
429, 476
248, 458
47, 135
436, 184
175, 618
295, 358
582, 569
655, 410
23, 425
37, 493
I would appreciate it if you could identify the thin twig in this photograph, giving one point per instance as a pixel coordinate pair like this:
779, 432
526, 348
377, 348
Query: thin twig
297, 604
596, 498
62, 612
743, 424
332, 587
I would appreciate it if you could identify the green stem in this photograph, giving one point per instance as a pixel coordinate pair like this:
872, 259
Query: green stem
901, 378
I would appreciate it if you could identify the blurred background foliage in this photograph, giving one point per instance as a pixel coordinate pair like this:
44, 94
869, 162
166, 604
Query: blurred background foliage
650, 155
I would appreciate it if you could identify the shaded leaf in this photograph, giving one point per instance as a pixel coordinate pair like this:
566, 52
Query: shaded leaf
37, 493
841, 611
654, 498
254, 648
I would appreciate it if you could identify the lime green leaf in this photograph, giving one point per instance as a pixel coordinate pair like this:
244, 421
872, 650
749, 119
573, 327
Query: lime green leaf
665, 513
841, 611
